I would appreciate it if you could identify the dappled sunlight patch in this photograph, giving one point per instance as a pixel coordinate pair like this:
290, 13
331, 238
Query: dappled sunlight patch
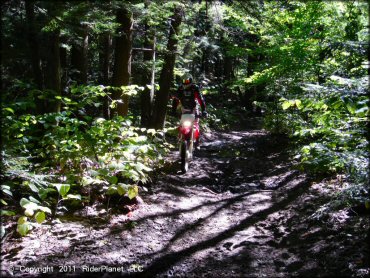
259, 201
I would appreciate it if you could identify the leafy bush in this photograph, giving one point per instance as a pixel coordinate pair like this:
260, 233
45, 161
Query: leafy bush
52, 159
330, 125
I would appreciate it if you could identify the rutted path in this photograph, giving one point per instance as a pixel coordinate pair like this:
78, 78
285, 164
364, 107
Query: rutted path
240, 211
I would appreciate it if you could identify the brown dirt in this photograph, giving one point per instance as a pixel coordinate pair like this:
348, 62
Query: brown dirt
240, 211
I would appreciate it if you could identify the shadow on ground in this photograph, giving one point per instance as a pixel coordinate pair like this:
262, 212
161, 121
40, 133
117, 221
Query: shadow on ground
241, 211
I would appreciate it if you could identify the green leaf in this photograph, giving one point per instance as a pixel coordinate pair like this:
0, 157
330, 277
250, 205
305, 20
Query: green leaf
23, 229
33, 187
286, 105
28, 205
112, 190
44, 192
122, 188
45, 209
88, 181
6, 189
113, 179
73, 196
133, 191
29, 212
298, 103
7, 213
22, 220
132, 174
9, 109
40, 217
351, 107
34, 200
62, 188
140, 167
362, 111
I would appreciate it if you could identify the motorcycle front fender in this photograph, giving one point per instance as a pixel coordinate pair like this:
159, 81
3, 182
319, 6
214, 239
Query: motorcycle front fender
185, 132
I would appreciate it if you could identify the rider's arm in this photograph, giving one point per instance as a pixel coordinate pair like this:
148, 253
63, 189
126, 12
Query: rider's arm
200, 99
175, 100
175, 103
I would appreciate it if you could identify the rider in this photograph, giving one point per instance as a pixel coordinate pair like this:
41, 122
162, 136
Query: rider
187, 94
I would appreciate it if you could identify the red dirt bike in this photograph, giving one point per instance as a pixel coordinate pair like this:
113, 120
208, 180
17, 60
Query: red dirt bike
188, 138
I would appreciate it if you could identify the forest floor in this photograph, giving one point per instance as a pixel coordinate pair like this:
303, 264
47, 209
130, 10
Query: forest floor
240, 211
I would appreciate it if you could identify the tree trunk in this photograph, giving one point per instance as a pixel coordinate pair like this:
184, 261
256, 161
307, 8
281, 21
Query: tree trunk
219, 69
63, 53
228, 68
53, 80
148, 75
33, 43
166, 77
122, 61
79, 56
251, 92
105, 43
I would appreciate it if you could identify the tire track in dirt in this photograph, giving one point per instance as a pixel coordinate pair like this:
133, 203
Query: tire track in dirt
236, 213
242, 170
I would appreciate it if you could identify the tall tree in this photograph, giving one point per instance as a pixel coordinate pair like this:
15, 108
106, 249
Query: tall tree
166, 77
53, 74
122, 60
105, 43
79, 54
252, 59
146, 97
33, 42
53, 65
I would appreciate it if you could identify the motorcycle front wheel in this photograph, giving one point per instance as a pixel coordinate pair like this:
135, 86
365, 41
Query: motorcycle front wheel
184, 157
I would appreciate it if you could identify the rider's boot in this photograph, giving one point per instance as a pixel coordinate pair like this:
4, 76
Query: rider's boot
197, 144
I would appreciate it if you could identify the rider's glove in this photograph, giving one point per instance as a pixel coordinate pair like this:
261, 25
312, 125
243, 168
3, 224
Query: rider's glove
204, 114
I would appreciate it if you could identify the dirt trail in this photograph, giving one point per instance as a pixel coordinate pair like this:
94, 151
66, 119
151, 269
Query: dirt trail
239, 211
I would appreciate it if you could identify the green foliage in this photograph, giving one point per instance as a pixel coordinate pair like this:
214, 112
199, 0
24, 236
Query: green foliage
74, 153
329, 124
6, 190
315, 87
23, 226
220, 117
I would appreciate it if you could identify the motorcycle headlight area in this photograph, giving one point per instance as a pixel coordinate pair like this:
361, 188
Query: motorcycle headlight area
186, 123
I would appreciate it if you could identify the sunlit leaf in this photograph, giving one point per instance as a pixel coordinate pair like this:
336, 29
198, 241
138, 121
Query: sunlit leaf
29, 212
133, 191
73, 196
28, 205
122, 188
45, 209
112, 190
286, 105
62, 188
22, 220
23, 229
2, 231
40, 217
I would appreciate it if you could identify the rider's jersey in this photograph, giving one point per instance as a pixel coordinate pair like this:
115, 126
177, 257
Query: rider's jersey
187, 95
